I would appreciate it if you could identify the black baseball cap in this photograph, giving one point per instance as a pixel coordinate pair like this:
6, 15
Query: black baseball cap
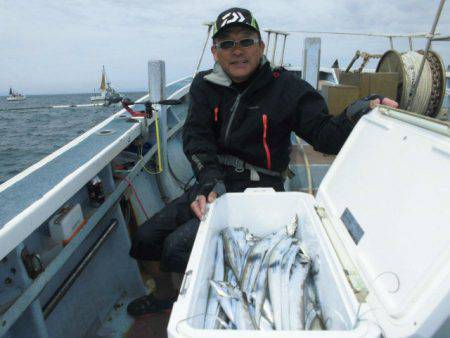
235, 17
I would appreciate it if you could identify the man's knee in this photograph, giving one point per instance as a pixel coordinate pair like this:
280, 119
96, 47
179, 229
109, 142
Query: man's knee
177, 247
147, 243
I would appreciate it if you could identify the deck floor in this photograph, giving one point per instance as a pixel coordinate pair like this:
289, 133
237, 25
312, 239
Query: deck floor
151, 326
314, 157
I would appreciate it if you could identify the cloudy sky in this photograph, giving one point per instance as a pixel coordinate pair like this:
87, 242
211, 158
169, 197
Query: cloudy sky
60, 46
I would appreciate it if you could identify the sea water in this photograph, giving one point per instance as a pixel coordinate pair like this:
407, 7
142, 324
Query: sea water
27, 136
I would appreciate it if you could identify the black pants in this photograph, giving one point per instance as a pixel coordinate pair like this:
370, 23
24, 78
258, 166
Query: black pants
168, 236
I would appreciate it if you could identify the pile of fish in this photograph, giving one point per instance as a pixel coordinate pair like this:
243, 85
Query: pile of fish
262, 283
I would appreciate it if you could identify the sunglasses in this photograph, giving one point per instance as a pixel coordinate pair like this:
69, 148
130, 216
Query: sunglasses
244, 43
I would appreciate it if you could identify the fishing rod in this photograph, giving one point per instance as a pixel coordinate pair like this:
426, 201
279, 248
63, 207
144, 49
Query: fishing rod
149, 106
84, 105
63, 106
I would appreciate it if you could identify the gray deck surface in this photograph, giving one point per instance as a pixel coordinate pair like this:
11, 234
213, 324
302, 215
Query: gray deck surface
22, 194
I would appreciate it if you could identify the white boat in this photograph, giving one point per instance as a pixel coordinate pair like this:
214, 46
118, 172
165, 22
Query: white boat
106, 91
15, 96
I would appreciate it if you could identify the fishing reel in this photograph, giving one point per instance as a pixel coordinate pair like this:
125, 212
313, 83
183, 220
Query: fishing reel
149, 106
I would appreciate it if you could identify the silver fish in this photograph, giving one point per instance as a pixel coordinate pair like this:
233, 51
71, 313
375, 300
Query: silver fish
221, 321
240, 236
233, 254
243, 318
274, 278
267, 312
265, 324
232, 280
212, 309
253, 264
259, 291
286, 266
259, 294
254, 270
313, 314
313, 320
230, 277
224, 297
296, 293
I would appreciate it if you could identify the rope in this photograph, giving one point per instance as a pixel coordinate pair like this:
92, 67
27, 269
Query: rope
412, 35
210, 25
307, 165
411, 64
137, 197
141, 161
158, 142
158, 146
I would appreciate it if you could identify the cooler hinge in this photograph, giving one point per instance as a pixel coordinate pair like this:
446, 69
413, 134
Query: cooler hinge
356, 282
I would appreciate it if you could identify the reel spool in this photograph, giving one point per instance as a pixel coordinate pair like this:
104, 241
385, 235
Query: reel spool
431, 90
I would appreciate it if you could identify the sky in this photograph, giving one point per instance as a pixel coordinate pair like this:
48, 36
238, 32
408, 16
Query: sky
57, 47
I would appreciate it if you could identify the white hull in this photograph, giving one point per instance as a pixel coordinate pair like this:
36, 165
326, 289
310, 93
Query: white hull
99, 98
16, 98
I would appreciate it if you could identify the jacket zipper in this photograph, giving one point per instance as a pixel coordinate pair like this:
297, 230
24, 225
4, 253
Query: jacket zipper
266, 146
233, 111
216, 114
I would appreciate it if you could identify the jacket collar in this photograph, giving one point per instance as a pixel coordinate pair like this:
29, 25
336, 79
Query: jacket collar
219, 77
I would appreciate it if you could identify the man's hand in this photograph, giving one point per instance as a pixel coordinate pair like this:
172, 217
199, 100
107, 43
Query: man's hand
386, 101
199, 205
362, 106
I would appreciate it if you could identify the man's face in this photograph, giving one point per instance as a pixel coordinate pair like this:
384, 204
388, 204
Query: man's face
238, 62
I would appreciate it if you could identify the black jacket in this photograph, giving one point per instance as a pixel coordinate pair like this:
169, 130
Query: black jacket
255, 125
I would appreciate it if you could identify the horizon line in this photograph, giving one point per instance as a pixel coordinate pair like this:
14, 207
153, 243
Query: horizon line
5, 94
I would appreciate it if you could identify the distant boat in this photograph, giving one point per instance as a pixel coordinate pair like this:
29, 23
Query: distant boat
15, 96
107, 93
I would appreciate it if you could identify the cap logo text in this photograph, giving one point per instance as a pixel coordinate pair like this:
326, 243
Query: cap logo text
237, 17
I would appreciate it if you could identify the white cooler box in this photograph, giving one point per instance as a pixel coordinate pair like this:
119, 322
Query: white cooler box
378, 232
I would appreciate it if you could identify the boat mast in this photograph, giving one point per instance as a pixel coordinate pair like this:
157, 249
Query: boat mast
103, 83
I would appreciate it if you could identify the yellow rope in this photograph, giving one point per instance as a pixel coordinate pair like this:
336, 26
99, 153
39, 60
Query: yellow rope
158, 145
141, 161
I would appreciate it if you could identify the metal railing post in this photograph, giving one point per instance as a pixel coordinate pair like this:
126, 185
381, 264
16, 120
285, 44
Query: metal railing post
268, 42
157, 85
282, 52
311, 61
274, 48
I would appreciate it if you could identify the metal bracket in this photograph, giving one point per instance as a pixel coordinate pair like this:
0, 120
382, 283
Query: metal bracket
356, 282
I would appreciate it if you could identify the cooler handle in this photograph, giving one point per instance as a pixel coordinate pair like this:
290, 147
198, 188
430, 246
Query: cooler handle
185, 283
258, 190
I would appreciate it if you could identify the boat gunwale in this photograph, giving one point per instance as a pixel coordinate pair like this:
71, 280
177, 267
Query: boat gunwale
72, 143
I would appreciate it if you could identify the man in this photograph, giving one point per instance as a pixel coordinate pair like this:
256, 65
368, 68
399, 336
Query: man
246, 109
237, 135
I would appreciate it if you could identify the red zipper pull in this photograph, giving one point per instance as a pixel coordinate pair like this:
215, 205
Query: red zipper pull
266, 146
216, 114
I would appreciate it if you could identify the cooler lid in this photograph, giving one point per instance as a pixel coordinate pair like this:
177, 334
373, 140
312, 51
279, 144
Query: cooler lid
388, 195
